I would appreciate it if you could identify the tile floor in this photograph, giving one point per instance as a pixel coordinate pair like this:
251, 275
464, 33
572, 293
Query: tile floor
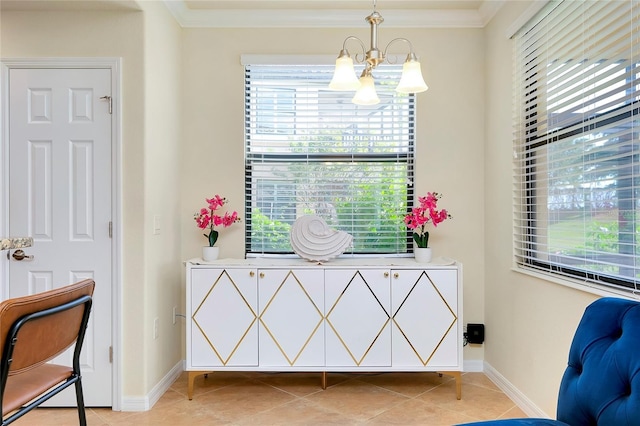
230, 398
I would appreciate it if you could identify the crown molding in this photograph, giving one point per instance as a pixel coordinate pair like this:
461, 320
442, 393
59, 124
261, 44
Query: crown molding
488, 10
330, 18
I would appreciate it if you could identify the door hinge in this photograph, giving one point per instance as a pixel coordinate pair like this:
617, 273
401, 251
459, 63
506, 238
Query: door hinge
111, 354
108, 98
110, 229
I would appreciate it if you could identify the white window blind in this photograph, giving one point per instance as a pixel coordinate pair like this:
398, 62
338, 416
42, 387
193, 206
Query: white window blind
309, 150
576, 121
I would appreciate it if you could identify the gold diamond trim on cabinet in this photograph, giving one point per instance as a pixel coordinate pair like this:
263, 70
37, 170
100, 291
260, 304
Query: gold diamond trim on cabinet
366, 352
222, 359
291, 360
425, 360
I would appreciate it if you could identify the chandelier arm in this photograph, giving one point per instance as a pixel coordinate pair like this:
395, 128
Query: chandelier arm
359, 58
411, 52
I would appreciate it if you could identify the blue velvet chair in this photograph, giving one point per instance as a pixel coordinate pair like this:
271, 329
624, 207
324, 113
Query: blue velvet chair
601, 385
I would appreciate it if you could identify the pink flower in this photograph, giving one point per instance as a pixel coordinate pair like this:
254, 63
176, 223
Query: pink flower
426, 212
203, 218
216, 202
229, 219
206, 218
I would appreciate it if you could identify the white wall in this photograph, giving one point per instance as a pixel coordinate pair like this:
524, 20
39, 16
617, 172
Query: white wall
163, 184
530, 321
450, 132
149, 45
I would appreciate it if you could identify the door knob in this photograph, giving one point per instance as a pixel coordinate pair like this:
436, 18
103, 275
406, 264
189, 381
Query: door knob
20, 255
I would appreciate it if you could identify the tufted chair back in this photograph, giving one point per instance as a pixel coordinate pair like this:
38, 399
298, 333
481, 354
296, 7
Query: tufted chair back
601, 384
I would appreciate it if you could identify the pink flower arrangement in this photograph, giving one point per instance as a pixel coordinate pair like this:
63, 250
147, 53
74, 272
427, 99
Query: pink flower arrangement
420, 216
207, 218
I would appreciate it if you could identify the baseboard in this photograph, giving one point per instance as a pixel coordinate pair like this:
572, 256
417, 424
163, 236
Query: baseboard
521, 400
145, 403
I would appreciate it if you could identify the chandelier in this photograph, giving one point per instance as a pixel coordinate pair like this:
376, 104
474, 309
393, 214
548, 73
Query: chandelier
344, 76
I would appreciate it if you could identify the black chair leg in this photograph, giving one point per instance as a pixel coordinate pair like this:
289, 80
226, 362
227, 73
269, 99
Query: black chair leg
80, 401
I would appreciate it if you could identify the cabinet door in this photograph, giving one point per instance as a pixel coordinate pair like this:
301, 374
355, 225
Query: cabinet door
291, 320
425, 318
223, 318
357, 311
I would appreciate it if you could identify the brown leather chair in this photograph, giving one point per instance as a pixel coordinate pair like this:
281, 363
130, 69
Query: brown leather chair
33, 330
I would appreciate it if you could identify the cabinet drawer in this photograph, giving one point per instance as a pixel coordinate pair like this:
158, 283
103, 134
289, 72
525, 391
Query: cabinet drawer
223, 322
291, 317
425, 318
357, 310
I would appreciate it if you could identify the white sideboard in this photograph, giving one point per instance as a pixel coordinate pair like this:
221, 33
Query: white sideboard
347, 315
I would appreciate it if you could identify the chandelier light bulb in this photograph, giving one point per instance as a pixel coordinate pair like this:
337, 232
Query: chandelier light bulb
366, 94
411, 80
344, 76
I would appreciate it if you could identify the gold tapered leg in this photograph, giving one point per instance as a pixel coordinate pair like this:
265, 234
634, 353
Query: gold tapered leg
458, 377
191, 379
324, 380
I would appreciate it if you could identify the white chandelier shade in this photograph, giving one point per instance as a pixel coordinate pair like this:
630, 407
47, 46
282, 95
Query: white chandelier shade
366, 93
344, 76
411, 80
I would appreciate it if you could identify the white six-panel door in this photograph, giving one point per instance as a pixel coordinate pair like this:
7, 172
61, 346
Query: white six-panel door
60, 194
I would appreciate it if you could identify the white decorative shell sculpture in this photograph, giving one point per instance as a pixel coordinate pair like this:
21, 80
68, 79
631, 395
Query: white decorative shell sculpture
313, 240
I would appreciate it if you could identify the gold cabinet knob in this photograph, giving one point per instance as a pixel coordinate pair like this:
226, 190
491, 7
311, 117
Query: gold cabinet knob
261, 274
251, 273
386, 275
396, 275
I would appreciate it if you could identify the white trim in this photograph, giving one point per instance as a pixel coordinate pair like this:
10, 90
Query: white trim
147, 402
4, 175
488, 10
600, 290
115, 65
329, 18
259, 59
531, 11
117, 296
28, 63
521, 400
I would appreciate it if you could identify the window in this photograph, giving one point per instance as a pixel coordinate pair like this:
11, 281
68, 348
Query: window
577, 146
309, 150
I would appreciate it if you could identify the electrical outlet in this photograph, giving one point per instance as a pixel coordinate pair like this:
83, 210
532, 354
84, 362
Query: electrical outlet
175, 313
156, 225
156, 324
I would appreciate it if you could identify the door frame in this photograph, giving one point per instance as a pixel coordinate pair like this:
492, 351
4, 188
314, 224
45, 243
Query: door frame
115, 65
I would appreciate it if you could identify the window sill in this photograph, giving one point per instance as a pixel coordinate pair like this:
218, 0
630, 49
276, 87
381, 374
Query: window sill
585, 286
342, 256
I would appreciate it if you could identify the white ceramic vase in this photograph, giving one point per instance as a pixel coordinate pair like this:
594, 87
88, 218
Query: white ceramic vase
422, 255
313, 240
210, 253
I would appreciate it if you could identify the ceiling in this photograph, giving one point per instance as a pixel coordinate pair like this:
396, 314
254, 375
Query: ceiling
294, 13
331, 13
